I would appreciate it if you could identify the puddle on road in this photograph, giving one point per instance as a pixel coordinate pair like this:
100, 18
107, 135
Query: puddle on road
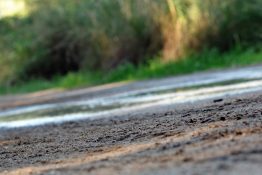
128, 102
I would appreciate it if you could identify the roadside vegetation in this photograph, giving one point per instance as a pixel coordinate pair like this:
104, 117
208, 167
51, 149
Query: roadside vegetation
68, 44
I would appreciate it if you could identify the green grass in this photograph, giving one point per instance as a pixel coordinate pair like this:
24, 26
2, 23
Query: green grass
207, 60
155, 68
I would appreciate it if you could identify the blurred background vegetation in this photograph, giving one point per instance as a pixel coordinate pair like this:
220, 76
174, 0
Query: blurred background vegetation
70, 43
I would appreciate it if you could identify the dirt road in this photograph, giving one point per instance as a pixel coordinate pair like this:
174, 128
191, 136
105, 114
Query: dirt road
221, 136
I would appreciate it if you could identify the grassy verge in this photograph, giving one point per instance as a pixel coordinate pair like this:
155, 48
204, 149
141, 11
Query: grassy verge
155, 68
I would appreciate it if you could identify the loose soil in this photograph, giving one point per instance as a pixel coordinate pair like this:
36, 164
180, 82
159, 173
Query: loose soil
221, 136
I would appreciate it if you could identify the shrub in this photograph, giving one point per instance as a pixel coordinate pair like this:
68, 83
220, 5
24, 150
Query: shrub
61, 36
200, 24
89, 35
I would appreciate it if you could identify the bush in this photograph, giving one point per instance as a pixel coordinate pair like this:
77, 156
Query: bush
201, 24
14, 47
89, 35
61, 36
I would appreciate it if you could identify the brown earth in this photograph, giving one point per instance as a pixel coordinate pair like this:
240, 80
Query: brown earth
215, 137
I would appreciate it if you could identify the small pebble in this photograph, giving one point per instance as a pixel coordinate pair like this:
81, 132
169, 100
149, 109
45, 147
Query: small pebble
222, 118
218, 100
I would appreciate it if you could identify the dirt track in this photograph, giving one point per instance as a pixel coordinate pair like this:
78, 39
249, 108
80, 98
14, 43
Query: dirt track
223, 137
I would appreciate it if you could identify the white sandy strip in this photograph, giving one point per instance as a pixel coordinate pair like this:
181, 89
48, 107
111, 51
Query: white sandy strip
152, 101
129, 97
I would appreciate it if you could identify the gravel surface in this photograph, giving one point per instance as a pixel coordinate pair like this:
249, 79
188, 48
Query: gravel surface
221, 136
